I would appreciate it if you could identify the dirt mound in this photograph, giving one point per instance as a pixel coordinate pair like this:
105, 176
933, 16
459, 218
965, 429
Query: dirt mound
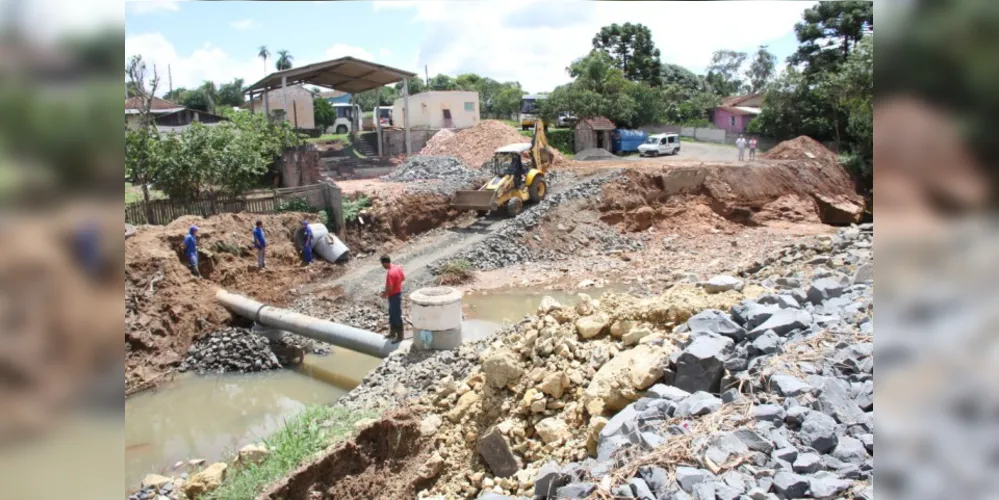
387, 459
476, 145
166, 307
395, 219
795, 191
800, 148
594, 154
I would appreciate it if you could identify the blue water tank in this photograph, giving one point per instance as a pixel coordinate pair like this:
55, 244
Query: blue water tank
627, 141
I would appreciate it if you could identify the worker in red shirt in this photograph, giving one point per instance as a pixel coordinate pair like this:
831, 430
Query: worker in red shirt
393, 292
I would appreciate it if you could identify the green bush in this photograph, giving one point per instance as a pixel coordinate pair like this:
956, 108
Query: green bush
297, 205
455, 272
351, 208
563, 140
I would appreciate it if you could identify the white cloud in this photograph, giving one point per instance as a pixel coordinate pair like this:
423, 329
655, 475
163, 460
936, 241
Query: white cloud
244, 24
384, 53
343, 50
50, 19
532, 41
191, 70
150, 6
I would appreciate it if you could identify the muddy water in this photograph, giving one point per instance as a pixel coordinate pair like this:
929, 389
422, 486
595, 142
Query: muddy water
210, 417
509, 305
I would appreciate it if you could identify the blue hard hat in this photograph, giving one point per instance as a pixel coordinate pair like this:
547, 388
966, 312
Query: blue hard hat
192, 229
305, 223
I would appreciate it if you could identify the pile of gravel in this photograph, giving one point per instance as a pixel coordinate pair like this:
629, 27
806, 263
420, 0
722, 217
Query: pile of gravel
239, 350
594, 154
793, 370
435, 174
506, 247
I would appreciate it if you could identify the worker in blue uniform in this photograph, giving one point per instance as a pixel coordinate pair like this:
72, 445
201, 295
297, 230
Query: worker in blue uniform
191, 250
307, 243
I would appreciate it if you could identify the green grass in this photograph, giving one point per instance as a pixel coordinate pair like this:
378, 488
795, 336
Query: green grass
134, 193
302, 437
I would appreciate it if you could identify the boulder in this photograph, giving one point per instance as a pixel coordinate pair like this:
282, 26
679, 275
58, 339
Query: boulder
635, 335
754, 441
433, 467
549, 480
722, 283
501, 368
554, 384
819, 431
688, 477
835, 401
620, 380
663, 391
807, 463
430, 424
253, 454
784, 322
850, 450
548, 304
655, 477
552, 430
824, 289
717, 322
496, 453
155, 481
621, 327
577, 490
591, 326
701, 365
788, 386
768, 413
787, 302
790, 485
723, 447
205, 481
767, 343
465, 403
864, 274
757, 314
827, 485
697, 404
593, 431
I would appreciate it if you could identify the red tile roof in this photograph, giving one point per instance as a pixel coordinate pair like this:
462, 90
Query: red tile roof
599, 123
158, 104
738, 99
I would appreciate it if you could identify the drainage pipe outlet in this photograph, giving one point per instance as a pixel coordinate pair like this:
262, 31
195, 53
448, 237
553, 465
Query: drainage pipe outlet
347, 337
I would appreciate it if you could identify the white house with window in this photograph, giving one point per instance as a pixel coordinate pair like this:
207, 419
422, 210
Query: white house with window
439, 109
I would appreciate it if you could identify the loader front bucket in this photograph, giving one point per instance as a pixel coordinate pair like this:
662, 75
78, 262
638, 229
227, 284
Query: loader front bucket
479, 200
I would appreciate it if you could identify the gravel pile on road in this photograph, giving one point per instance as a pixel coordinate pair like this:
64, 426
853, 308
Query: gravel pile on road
435, 174
594, 154
507, 247
476, 145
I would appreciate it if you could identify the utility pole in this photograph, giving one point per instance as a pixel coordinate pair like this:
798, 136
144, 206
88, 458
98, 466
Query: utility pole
426, 73
170, 78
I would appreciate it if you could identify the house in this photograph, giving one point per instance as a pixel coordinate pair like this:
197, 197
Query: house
439, 109
167, 116
336, 97
736, 112
298, 100
594, 133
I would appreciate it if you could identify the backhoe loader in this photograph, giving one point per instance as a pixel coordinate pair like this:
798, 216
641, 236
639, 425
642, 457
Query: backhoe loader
502, 191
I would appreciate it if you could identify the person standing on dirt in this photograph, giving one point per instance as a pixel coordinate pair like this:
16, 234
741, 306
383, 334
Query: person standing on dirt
741, 144
752, 148
191, 250
260, 243
307, 243
393, 292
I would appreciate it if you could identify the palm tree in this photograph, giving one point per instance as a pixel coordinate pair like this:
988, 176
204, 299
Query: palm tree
264, 54
284, 60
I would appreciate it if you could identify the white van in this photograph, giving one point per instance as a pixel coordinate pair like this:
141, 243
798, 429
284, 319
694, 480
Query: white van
660, 144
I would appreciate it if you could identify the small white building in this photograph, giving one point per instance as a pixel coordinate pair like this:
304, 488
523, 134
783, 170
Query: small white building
299, 101
439, 109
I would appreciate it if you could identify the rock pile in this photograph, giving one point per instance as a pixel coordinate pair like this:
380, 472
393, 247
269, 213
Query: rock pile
476, 145
435, 174
239, 350
700, 393
594, 154
507, 246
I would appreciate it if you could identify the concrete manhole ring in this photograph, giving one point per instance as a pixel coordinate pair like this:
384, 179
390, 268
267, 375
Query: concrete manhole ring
129, 231
436, 295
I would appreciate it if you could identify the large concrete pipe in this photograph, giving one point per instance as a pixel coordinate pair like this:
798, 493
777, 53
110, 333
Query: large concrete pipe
348, 337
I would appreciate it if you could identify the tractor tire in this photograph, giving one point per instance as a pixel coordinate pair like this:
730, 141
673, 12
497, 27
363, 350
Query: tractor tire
481, 213
514, 207
342, 129
538, 189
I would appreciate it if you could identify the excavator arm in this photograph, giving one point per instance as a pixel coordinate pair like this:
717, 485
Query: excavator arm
539, 147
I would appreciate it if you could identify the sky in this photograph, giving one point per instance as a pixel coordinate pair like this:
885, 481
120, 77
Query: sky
528, 41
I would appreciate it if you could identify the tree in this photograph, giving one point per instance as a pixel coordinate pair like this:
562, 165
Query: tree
176, 95
142, 156
632, 51
231, 94
324, 113
761, 71
284, 60
263, 53
828, 32
724, 70
442, 82
381, 96
416, 86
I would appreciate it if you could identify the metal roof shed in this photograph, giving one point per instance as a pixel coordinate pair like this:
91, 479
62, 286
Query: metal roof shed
347, 74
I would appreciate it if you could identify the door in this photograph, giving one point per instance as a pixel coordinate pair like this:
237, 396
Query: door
664, 146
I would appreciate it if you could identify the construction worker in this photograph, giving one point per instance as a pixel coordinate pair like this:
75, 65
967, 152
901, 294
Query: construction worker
752, 148
191, 250
307, 243
393, 292
518, 171
260, 243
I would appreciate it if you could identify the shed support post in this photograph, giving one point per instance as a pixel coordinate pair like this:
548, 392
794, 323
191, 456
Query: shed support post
405, 115
284, 96
267, 104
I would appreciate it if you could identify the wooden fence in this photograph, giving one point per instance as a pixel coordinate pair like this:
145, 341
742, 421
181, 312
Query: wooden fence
161, 212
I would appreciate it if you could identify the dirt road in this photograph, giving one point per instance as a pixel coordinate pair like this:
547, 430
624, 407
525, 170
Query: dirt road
702, 151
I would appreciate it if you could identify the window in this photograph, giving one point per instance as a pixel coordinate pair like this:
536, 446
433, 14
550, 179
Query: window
731, 121
470, 107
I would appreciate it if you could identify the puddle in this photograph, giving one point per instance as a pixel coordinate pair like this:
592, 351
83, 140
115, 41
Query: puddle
212, 416
508, 306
